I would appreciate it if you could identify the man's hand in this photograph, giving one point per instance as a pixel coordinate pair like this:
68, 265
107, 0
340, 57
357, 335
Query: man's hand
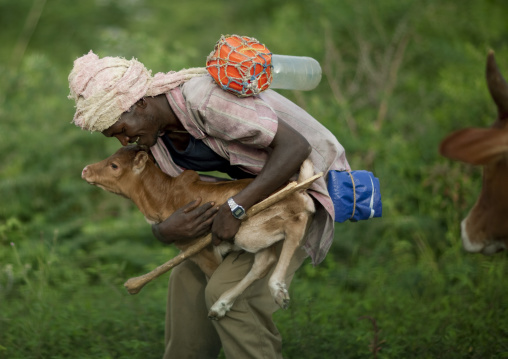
187, 223
225, 226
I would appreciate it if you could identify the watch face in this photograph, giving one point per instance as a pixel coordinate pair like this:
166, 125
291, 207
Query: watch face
238, 211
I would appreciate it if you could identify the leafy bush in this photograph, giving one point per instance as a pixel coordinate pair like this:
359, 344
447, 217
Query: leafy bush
397, 77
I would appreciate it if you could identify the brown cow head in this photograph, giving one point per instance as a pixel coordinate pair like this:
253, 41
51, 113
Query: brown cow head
118, 173
485, 229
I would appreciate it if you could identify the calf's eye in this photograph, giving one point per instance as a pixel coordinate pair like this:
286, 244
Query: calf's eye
114, 166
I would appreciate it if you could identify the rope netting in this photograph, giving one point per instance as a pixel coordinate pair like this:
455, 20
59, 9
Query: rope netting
241, 65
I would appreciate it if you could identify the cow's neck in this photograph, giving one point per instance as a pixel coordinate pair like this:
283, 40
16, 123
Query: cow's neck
153, 194
494, 189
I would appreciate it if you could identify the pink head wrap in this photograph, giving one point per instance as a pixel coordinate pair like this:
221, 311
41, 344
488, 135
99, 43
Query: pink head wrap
105, 88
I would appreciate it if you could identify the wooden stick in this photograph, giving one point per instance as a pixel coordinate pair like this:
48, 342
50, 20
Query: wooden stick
135, 284
283, 193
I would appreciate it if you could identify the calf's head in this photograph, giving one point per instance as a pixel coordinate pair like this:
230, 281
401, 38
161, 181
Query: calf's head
120, 172
485, 229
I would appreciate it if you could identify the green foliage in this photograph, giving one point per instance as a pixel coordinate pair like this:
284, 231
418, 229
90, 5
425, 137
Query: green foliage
397, 77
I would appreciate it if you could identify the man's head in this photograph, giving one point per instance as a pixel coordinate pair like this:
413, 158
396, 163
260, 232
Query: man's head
106, 88
143, 123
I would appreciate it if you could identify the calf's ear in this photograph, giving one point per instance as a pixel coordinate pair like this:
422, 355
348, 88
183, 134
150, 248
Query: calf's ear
139, 162
477, 146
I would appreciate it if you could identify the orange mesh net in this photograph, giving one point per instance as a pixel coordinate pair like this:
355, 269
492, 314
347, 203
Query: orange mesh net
241, 65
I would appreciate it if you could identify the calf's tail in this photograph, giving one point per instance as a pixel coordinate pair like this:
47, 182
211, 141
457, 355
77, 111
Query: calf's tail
306, 171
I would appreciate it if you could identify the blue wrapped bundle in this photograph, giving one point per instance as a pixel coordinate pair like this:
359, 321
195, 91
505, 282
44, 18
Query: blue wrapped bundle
356, 195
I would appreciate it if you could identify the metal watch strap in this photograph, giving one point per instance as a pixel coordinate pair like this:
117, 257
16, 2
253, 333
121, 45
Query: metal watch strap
236, 210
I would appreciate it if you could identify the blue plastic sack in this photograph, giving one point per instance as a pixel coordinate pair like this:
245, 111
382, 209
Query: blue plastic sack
356, 195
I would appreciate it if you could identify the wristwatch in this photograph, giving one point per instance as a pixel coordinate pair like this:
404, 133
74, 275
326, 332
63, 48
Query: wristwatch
237, 210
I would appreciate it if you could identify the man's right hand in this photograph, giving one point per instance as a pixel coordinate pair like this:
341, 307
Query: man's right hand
187, 223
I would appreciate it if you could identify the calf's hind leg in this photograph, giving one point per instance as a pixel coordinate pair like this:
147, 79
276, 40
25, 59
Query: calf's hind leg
294, 233
263, 262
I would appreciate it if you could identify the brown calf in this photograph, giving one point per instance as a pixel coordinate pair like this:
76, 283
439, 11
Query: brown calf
485, 229
131, 173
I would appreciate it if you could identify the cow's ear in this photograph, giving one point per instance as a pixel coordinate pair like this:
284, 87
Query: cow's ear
477, 146
497, 85
140, 161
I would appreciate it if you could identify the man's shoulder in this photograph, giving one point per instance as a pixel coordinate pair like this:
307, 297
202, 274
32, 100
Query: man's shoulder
198, 87
203, 92
205, 80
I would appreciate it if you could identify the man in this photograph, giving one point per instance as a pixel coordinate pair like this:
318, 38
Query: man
190, 122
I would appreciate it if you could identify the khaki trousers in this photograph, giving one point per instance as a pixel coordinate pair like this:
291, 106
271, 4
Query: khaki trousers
247, 330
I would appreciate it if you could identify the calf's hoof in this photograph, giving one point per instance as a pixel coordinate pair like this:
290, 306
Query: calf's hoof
219, 310
280, 294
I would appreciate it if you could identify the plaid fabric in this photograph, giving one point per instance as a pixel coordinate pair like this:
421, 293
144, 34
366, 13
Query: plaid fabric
241, 129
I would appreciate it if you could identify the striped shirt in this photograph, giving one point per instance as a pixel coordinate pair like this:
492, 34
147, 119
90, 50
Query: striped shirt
241, 129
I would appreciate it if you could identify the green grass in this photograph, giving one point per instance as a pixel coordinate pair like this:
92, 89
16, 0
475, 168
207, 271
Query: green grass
398, 76
61, 302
